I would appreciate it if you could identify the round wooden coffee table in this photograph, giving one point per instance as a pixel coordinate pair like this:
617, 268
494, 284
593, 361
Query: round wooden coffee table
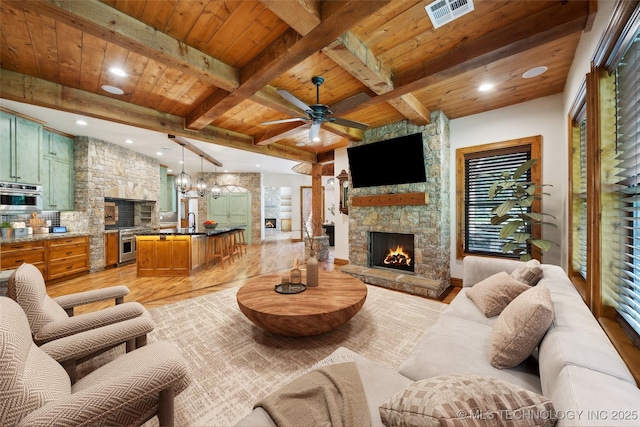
312, 312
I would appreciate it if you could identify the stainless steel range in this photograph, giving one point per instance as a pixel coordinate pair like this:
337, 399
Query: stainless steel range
127, 243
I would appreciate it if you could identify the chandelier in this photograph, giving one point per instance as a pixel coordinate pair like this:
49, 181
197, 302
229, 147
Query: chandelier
216, 191
183, 180
201, 184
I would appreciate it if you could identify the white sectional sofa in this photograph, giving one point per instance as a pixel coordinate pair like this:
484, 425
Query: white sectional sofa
575, 365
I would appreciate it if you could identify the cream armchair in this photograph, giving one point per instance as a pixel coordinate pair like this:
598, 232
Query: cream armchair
72, 340
35, 390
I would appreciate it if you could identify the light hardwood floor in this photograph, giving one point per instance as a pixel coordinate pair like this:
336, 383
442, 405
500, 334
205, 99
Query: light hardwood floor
268, 257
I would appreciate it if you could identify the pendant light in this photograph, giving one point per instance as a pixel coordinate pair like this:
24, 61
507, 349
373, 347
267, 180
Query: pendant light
216, 191
201, 184
183, 180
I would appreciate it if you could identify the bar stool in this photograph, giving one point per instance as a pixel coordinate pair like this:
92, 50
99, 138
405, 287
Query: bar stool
234, 249
218, 247
241, 242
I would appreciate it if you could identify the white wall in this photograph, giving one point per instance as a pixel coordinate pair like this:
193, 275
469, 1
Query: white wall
544, 117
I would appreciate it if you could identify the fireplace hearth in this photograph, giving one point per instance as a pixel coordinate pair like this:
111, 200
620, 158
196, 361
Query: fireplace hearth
391, 250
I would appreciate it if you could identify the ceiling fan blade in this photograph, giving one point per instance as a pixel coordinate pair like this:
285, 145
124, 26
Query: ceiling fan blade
292, 99
315, 130
349, 103
349, 123
295, 119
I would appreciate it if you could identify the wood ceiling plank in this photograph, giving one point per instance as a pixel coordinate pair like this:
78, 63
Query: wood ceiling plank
30, 90
103, 21
182, 19
16, 45
301, 15
287, 51
157, 12
42, 33
208, 24
93, 51
277, 133
69, 42
153, 72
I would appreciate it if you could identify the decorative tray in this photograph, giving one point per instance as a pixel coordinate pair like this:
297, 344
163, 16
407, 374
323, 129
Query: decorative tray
290, 288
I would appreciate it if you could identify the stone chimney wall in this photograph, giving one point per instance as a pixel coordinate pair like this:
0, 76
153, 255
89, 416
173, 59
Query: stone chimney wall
429, 223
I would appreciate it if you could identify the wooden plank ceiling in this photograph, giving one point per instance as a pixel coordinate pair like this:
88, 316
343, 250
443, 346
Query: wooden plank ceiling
209, 70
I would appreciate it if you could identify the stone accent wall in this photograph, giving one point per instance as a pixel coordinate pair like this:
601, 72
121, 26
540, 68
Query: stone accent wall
250, 182
104, 170
429, 223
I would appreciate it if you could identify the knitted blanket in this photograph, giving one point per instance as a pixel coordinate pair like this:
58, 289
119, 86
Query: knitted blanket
331, 395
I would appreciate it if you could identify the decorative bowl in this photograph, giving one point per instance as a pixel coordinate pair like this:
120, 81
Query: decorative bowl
210, 226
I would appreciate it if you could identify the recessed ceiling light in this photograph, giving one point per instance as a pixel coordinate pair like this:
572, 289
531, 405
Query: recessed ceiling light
81, 122
118, 71
484, 87
257, 166
316, 139
159, 153
128, 141
169, 170
112, 89
534, 72
181, 162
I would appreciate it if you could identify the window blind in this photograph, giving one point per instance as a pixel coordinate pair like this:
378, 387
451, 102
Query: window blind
581, 214
627, 206
481, 170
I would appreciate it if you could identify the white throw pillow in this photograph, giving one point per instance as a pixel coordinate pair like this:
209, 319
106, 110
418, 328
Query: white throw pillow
494, 293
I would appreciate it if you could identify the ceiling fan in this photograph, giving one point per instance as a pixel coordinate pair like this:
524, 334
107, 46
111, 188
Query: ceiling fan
316, 113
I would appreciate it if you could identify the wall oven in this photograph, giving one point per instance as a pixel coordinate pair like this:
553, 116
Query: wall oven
18, 198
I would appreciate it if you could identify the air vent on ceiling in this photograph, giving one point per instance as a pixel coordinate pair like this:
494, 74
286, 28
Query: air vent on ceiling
443, 11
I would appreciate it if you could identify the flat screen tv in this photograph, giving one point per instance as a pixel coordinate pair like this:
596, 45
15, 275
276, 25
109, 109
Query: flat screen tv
390, 162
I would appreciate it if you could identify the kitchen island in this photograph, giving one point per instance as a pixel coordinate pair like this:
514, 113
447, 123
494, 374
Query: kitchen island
174, 251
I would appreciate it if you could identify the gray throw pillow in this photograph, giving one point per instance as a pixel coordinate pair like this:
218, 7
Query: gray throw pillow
529, 274
520, 327
466, 400
494, 293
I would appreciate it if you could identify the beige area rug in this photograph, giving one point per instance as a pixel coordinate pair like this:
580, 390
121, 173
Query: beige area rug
234, 363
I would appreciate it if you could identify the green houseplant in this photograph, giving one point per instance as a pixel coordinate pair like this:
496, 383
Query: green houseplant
514, 215
7, 229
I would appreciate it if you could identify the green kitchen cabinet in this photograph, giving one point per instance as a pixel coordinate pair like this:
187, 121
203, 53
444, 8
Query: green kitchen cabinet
58, 172
21, 148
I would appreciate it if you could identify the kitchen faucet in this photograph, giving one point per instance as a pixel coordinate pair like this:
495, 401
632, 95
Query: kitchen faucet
194, 220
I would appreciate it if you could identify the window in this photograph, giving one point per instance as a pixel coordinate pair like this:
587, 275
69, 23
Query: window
621, 275
477, 169
578, 188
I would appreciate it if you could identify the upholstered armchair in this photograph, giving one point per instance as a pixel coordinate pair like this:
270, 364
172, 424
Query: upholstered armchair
129, 390
72, 340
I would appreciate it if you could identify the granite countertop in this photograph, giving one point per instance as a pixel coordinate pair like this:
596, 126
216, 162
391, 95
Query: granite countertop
43, 236
189, 231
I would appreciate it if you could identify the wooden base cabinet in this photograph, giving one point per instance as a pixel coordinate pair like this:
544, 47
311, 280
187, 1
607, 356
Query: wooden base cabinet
163, 256
56, 258
15, 254
111, 249
68, 256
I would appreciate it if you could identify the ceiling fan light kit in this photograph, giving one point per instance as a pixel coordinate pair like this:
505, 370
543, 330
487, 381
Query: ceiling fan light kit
316, 113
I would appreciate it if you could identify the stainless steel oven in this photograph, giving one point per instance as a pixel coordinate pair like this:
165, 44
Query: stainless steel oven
127, 245
20, 197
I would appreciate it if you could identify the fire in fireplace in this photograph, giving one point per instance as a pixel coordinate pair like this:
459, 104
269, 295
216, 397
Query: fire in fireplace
270, 223
391, 250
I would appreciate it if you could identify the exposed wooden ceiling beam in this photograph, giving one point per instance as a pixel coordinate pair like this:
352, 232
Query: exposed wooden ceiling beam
301, 15
355, 57
30, 90
277, 133
545, 26
189, 146
285, 52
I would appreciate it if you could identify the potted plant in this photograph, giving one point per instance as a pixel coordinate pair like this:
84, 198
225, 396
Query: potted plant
7, 230
513, 213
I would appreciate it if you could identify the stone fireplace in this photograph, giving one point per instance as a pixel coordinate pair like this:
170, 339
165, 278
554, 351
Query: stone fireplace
420, 210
